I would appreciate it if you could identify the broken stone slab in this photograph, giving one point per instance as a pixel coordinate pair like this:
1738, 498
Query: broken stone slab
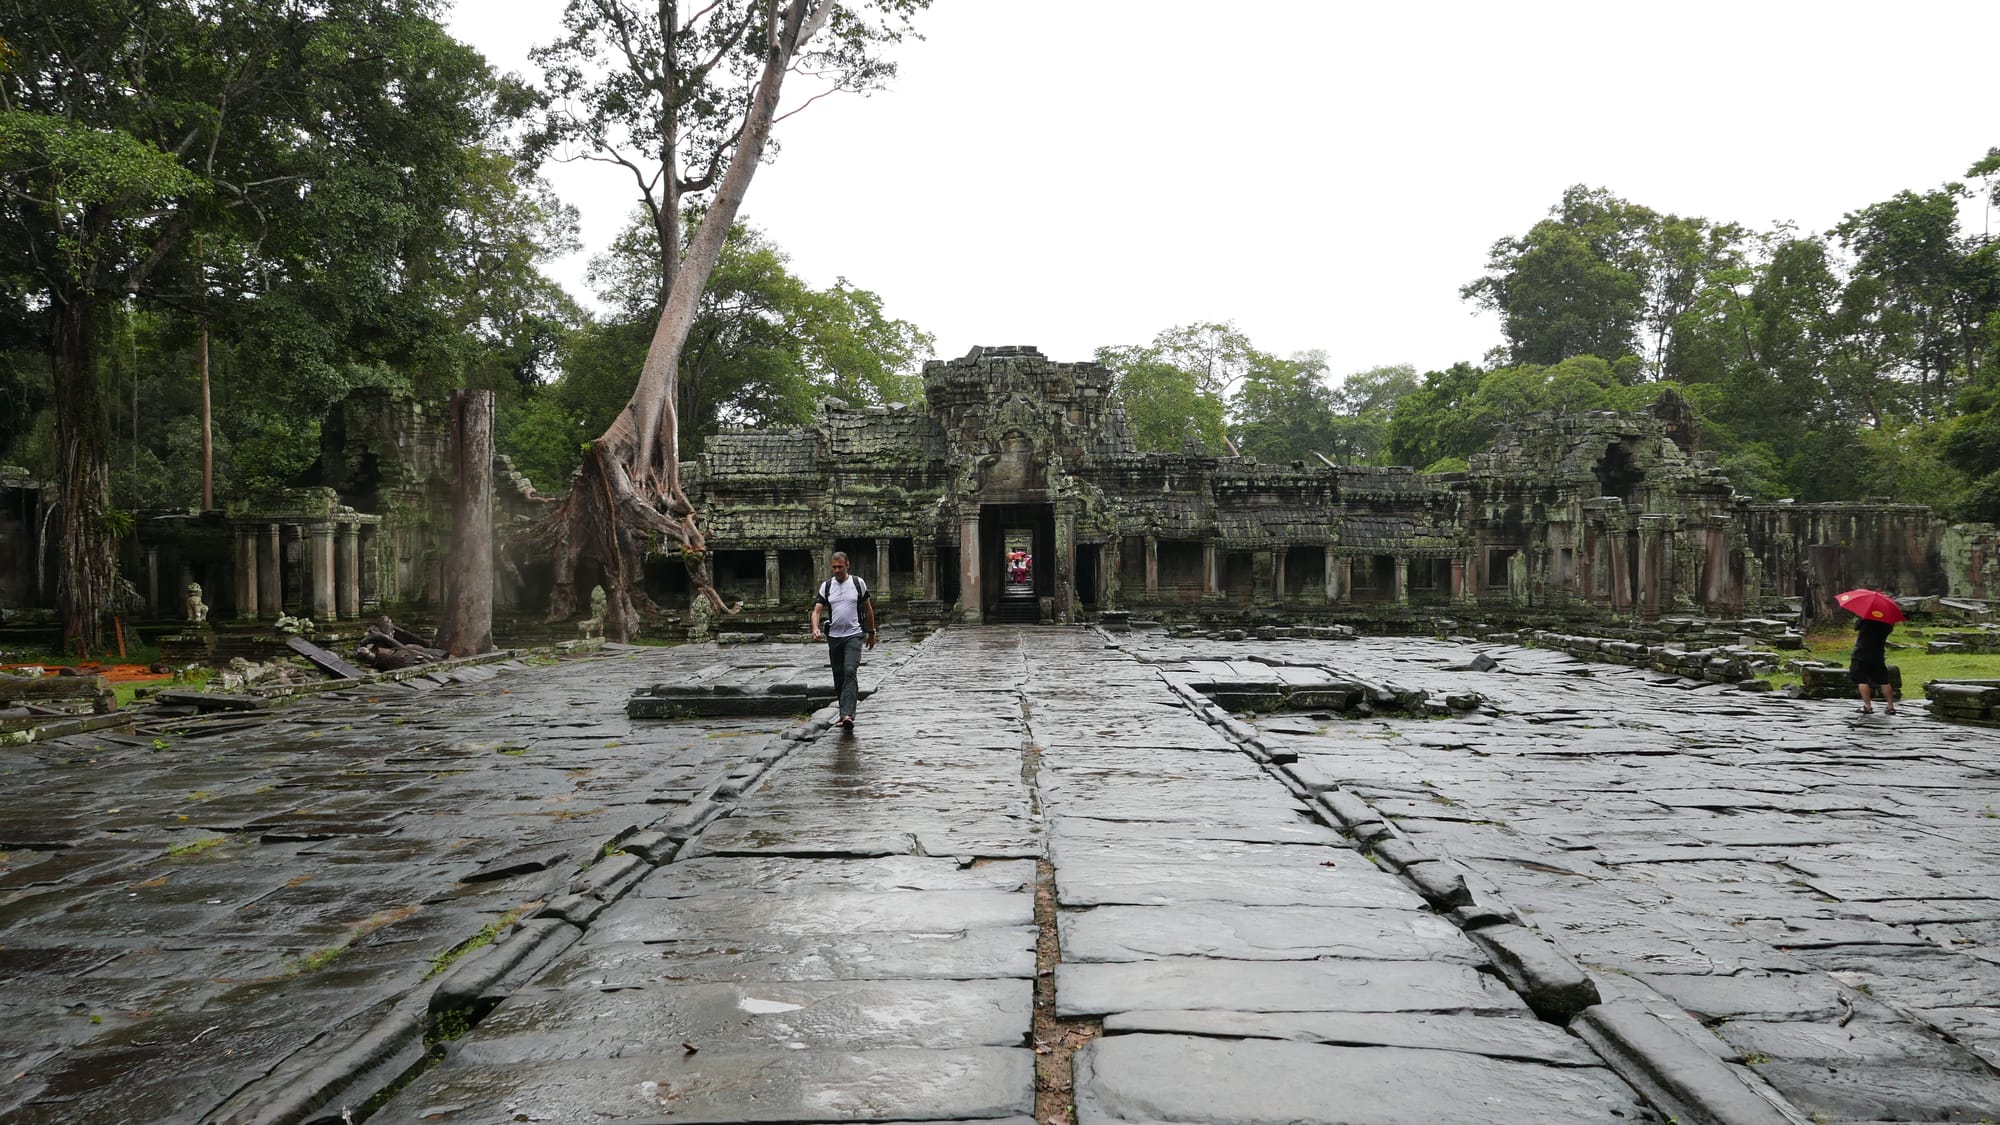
519, 863
1677, 1076
812, 1084
653, 847
1135, 1078
1504, 1037
325, 660
214, 701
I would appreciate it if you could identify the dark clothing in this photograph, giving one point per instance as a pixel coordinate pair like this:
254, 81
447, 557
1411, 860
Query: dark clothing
1870, 662
844, 653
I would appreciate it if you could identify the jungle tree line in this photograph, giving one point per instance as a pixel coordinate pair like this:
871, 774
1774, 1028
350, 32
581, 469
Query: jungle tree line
323, 195
1861, 361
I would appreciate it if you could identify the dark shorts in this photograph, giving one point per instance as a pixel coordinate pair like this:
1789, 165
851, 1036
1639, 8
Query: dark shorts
1863, 670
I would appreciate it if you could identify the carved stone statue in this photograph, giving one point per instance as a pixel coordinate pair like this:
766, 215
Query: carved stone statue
593, 626
197, 610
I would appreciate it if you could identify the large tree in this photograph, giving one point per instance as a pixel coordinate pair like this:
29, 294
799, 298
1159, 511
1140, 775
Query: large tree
1286, 410
683, 98
275, 157
765, 345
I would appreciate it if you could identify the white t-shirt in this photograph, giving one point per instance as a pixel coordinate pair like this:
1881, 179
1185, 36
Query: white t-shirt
843, 604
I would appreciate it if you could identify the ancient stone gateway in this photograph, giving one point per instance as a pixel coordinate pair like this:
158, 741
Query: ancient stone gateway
1590, 515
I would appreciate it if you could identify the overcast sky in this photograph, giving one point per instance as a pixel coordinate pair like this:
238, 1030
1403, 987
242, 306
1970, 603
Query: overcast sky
1074, 173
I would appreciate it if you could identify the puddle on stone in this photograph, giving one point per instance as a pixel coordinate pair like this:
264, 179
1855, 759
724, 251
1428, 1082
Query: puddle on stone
766, 1007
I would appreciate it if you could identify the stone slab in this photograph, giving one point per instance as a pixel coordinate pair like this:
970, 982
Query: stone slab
1102, 881
1002, 951
822, 912
542, 1025
1502, 1037
816, 1085
1259, 933
1280, 986
1157, 1078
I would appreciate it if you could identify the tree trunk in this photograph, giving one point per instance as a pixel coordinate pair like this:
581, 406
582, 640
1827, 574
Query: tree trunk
468, 615
628, 495
83, 480
207, 430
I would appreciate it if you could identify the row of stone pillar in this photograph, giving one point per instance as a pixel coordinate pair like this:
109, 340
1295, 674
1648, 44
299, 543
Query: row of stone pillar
333, 578
1338, 571
878, 582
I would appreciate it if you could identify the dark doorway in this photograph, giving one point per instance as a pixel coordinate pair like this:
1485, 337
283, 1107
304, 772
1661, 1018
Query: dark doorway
1003, 529
1086, 573
1617, 475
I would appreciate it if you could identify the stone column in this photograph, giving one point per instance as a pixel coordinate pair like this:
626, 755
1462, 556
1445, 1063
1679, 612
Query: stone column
1152, 566
972, 608
1402, 580
1211, 580
771, 576
1458, 591
1278, 574
1619, 585
1065, 568
927, 569
319, 571
348, 570
881, 586
1652, 576
270, 576
1344, 587
153, 604
1110, 582
246, 573
1330, 577
371, 569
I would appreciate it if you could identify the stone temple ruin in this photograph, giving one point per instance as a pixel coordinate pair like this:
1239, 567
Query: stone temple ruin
1575, 519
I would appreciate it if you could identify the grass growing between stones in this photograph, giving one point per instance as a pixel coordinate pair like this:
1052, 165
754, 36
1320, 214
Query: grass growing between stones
1834, 643
476, 942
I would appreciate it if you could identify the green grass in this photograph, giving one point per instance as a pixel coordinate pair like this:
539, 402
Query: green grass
1906, 651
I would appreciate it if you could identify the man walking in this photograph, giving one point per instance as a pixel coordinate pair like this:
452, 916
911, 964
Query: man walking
845, 599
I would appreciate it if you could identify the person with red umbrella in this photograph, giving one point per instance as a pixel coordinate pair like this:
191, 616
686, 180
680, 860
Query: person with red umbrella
1875, 614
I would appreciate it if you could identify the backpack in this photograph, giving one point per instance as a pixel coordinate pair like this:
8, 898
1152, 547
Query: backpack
860, 590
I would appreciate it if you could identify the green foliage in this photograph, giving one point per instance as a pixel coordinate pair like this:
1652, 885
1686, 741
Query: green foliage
1163, 404
764, 347
1285, 409
1175, 390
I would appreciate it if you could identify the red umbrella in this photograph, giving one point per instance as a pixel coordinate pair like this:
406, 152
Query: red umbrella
1871, 604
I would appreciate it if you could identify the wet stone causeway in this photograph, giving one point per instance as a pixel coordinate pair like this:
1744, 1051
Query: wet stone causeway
1580, 893
181, 912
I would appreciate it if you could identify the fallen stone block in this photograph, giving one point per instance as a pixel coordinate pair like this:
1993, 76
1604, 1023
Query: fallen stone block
1678, 1076
1552, 984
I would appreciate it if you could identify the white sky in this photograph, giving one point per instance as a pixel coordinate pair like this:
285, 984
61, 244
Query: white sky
1072, 173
